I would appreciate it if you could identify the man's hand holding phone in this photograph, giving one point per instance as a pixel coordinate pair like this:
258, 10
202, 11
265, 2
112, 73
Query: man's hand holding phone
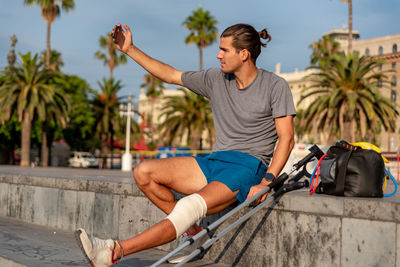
122, 40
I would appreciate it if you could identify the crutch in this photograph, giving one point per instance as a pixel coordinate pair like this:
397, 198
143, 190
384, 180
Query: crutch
275, 198
315, 151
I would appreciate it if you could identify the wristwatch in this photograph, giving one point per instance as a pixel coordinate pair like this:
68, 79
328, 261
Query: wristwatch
269, 177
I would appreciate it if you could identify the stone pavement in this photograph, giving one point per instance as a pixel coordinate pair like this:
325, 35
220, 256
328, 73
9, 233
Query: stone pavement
23, 244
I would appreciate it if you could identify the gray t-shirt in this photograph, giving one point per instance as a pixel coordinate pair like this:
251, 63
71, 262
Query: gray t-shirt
244, 118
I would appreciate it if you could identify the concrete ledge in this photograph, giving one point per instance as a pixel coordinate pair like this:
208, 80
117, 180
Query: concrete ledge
301, 230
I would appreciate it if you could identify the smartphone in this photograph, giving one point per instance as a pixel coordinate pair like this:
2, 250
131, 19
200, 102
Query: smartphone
115, 31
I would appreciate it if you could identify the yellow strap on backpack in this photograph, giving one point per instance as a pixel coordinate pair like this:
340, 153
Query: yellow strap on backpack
366, 145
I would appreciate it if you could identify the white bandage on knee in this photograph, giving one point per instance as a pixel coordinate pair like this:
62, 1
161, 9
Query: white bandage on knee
187, 211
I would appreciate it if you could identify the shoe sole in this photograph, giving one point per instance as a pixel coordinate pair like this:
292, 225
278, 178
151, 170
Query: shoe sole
177, 260
79, 241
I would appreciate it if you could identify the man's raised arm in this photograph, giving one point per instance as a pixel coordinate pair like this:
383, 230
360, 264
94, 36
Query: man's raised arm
123, 42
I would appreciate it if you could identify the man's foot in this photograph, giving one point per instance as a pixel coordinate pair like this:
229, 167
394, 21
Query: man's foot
180, 255
99, 252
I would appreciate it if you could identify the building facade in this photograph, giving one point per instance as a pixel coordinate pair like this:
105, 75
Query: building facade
386, 47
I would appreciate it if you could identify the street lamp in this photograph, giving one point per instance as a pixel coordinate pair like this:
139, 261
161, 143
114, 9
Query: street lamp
126, 110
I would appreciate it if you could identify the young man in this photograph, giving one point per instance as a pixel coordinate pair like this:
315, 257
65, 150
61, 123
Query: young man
252, 109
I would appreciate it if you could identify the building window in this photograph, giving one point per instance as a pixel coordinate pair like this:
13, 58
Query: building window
394, 81
394, 49
393, 65
393, 95
380, 51
379, 83
367, 52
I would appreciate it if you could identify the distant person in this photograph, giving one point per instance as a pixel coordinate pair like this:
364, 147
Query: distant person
252, 108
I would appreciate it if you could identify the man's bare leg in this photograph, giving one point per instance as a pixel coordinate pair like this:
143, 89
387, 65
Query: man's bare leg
157, 177
217, 197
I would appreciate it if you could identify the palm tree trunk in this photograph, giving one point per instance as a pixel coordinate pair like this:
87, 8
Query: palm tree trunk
45, 148
112, 147
152, 101
48, 49
26, 140
201, 57
347, 134
350, 48
104, 150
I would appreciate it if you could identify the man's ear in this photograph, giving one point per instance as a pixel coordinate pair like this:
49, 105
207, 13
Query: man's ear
244, 55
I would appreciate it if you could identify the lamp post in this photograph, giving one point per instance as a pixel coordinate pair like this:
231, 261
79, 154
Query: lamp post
127, 157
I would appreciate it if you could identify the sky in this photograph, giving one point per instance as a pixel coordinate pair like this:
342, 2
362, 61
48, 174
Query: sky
158, 31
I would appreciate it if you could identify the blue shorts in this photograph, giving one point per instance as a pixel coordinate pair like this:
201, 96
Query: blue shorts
237, 170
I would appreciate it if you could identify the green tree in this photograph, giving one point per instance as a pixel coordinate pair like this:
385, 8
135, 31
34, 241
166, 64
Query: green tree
111, 57
10, 137
105, 105
203, 31
187, 115
78, 133
50, 11
346, 97
9, 130
26, 90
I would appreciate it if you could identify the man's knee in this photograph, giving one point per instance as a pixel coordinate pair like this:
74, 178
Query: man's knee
187, 211
142, 174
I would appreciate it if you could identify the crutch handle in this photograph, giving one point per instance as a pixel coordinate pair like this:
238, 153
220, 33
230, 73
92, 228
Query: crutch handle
315, 152
278, 182
296, 186
290, 187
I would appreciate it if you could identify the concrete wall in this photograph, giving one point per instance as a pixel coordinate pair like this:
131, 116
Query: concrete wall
299, 231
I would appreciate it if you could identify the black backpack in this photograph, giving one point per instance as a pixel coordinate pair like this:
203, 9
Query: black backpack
351, 171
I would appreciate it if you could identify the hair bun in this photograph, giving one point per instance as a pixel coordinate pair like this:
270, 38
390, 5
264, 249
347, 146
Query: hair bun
264, 35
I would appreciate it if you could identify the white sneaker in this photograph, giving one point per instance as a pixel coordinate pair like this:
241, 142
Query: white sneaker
98, 251
186, 251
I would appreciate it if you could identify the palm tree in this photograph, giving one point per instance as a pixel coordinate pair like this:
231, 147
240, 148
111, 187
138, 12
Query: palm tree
57, 112
50, 11
105, 106
26, 90
299, 127
110, 57
350, 5
323, 50
187, 115
11, 54
203, 31
347, 98
55, 61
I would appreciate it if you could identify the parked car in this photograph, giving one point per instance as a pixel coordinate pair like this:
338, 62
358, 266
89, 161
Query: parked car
83, 160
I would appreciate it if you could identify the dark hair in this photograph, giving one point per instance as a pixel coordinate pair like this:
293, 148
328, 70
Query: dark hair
246, 37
